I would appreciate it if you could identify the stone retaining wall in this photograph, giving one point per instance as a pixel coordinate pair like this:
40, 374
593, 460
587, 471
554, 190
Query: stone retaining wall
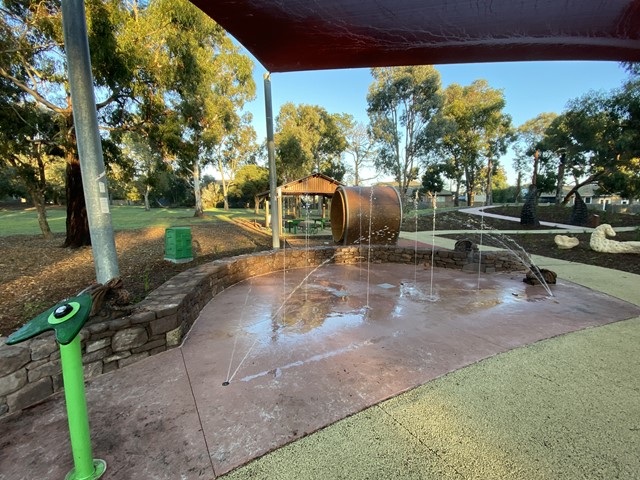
31, 371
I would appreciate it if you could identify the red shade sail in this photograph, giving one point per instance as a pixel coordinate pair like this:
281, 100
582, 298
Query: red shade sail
292, 35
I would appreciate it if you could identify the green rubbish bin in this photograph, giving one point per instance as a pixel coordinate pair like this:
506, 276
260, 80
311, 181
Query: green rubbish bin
177, 245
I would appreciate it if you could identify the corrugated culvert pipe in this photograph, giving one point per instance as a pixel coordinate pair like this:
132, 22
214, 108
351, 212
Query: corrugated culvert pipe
360, 212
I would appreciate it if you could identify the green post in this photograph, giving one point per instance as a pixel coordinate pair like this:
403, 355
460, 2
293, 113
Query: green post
66, 320
73, 377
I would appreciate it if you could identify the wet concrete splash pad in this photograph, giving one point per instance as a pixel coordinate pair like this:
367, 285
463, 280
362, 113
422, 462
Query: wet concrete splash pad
326, 352
295, 368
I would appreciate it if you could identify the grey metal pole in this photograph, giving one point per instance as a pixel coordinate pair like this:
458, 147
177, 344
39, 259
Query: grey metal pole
271, 151
85, 120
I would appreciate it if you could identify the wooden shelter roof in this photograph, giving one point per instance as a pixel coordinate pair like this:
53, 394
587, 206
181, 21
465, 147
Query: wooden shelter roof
314, 184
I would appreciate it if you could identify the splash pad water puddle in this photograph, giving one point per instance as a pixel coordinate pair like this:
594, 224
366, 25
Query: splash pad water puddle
326, 353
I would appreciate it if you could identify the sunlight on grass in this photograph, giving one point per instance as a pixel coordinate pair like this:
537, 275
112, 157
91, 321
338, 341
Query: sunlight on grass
25, 222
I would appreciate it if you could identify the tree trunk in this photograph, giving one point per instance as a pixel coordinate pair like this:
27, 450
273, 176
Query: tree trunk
579, 185
518, 186
35, 187
37, 198
357, 172
147, 206
470, 184
78, 234
560, 179
471, 198
256, 204
196, 190
489, 193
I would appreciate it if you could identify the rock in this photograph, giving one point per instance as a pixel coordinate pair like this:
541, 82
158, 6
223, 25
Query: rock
12, 358
600, 243
128, 339
534, 274
11, 383
164, 324
465, 245
565, 242
30, 394
174, 337
96, 345
92, 369
43, 346
48, 369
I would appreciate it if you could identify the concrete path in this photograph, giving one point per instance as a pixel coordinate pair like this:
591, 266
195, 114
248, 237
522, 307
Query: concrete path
556, 227
486, 211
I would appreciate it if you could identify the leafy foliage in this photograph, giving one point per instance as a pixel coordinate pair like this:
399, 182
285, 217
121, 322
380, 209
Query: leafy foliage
473, 129
308, 139
402, 102
250, 181
598, 140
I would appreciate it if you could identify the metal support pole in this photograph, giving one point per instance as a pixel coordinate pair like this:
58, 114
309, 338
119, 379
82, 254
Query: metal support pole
85, 120
271, 151
279, 208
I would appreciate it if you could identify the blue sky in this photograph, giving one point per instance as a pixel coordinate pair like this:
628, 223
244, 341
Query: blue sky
530, 88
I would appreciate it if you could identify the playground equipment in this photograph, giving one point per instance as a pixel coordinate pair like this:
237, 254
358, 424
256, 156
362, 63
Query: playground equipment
366, 215
66, 319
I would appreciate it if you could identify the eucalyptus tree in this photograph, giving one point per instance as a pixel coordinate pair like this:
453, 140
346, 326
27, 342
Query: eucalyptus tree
237, 148
402, 102
633, 68
497, 177
598, 136
625, 105
498, 140
204, 81
361, 148
250, 181
32, 59
28, 149
532, 157
447, 155
474, 130
308, 139
146, 162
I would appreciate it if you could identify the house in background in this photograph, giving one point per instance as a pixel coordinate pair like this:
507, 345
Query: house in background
590, 194
444, 198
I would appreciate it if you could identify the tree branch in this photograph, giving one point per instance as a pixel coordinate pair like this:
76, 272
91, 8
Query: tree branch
39, 98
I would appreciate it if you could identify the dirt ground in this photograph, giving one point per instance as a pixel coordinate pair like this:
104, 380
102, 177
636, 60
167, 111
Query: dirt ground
36, 273
542, 244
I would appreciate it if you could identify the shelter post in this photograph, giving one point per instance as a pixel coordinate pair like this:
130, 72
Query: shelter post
279, 209
271, 151
85, 120
266, 213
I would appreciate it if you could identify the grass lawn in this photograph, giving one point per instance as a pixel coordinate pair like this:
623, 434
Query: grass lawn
25, 221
